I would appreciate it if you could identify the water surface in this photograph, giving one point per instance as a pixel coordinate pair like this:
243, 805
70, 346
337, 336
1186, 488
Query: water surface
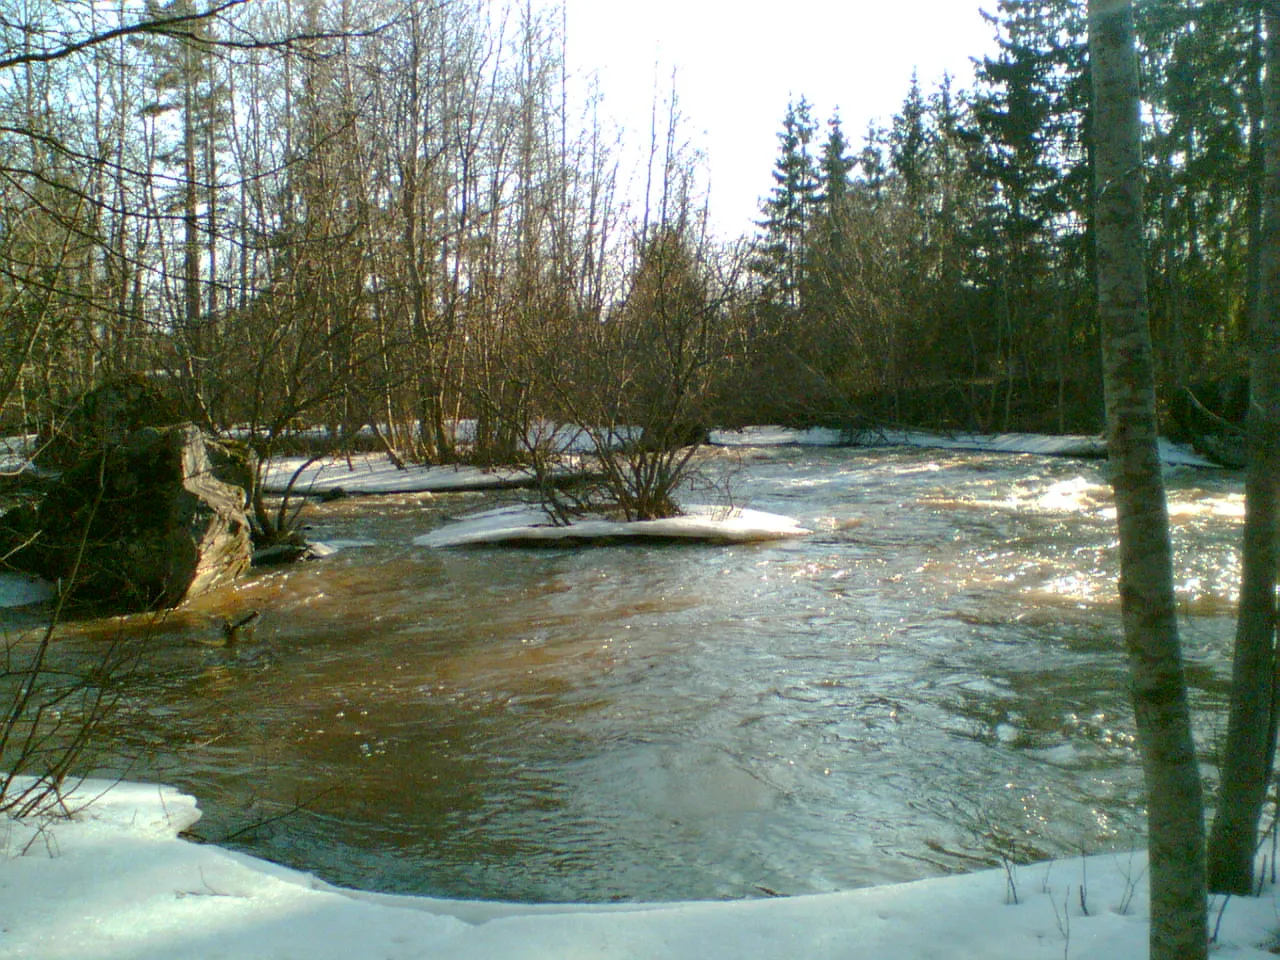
936, 676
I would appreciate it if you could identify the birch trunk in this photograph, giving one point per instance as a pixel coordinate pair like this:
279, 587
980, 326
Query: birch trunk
1250, 749
1174, 804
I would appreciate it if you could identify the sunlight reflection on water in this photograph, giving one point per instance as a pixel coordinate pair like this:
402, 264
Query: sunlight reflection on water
682, 721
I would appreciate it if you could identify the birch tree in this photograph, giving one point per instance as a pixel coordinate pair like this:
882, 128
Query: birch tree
1158, 688
1250, 747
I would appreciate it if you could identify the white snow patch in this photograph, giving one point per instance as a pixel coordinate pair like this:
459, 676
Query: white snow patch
531, 524
21, 590
115, 882
1180, 455
775, 436
1041, 444
375, 474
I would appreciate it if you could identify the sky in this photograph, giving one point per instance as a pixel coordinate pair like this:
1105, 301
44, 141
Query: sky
738, 63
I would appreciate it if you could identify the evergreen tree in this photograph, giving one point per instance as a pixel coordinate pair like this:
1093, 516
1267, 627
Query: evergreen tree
834, 167
1028, 127
1029, 113
1202, 69
909, 143
788, 210
871, 161
827, 249
946, 146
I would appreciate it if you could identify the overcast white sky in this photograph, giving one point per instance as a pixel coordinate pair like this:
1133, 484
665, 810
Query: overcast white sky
739, 62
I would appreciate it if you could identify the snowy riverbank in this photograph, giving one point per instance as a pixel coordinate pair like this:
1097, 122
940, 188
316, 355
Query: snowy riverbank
116, 883
375, 474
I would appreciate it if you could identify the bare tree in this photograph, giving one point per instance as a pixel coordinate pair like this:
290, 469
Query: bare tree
639, 378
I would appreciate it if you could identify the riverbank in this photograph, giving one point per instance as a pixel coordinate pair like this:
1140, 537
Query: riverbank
115, 881
376, 474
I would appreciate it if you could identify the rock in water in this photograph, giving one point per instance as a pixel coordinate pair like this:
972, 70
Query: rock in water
154, 524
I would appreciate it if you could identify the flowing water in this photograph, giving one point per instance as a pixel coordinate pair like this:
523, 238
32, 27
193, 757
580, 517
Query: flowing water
932, 680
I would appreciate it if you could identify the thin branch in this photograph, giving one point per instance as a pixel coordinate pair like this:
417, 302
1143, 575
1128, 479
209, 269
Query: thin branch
166, 26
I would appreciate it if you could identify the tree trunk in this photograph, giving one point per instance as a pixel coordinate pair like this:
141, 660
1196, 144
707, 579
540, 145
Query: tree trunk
1250, 749
1175, 811
191, 232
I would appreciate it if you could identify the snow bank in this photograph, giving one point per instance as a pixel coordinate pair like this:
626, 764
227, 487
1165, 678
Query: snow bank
115, 882
522, 524
21, 590
774, 436
374, 473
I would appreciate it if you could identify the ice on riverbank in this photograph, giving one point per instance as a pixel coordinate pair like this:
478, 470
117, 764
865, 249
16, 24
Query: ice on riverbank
115, 882
24, 590
375, 474
521, 524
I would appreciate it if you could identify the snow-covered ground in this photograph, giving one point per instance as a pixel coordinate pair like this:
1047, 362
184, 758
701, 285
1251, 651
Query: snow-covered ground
522, 524
114, 882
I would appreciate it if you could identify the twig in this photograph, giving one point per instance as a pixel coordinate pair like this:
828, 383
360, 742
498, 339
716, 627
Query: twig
1217, 925
267, 821
1063, 920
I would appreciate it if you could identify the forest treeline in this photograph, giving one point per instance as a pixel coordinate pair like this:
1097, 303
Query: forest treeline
393, 214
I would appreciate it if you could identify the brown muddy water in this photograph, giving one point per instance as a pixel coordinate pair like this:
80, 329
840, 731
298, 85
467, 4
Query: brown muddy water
934, 676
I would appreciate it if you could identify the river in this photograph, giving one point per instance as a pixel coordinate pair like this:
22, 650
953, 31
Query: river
933, 680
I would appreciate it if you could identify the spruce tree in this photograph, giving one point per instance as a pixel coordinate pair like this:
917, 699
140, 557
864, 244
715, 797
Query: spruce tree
870, 160
1028, 123
834, 167
909, 143
788, 210
1202, 81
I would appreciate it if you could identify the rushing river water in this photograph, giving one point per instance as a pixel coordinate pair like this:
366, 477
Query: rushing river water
935, 676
